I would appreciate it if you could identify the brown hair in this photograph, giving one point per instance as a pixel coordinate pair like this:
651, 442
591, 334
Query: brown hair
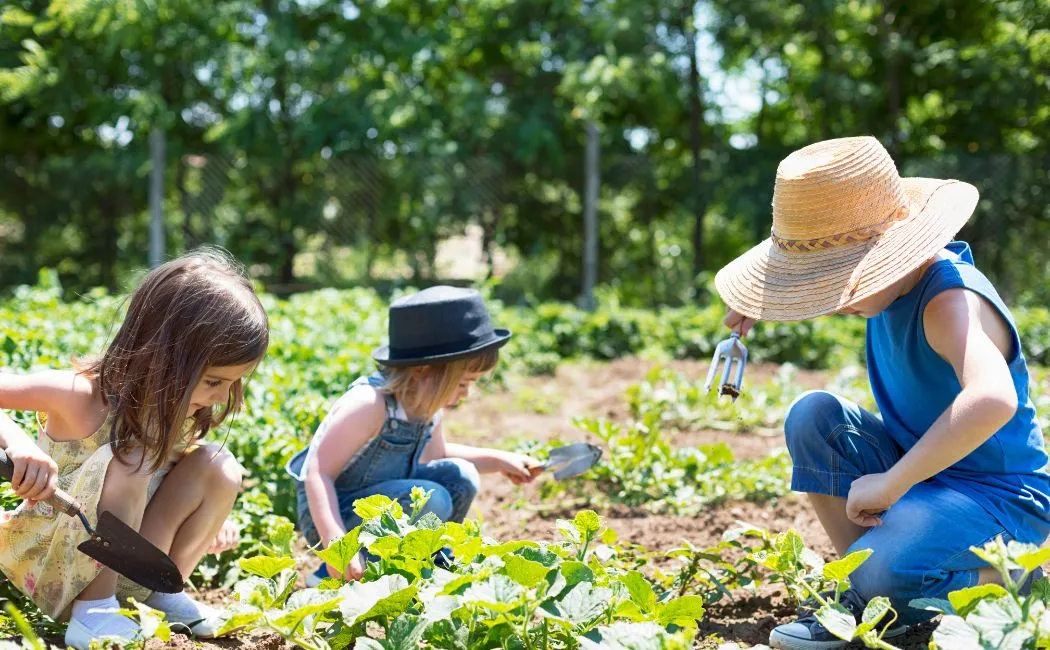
427, 392
194, 312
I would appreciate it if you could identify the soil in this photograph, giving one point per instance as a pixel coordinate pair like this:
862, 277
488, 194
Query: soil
541, 408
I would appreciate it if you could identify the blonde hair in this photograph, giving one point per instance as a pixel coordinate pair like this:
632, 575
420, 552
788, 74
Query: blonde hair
425, 390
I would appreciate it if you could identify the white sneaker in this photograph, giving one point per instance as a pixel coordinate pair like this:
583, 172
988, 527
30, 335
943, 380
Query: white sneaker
107, 627
185, 613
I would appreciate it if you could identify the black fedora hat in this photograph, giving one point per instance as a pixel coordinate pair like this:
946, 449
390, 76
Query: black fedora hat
437, 325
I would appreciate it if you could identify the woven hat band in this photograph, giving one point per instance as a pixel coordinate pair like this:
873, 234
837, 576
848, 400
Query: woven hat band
841, 239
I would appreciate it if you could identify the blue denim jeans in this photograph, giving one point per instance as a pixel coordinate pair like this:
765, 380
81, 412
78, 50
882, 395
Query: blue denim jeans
454, 483
922, 547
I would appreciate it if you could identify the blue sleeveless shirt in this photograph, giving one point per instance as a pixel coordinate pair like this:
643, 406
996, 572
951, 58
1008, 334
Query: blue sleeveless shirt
913, 385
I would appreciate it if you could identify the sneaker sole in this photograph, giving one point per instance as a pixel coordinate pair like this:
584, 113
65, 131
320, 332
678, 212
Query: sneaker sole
783, 642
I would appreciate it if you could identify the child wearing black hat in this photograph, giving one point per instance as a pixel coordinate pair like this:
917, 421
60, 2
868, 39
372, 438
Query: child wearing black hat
384, 435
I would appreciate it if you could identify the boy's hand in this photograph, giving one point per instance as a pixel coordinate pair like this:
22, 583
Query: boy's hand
229, 537
35, 475
738, 322
870, 496
519, 468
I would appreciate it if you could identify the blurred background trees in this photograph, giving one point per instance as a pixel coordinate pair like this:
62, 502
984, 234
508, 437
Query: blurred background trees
330, 142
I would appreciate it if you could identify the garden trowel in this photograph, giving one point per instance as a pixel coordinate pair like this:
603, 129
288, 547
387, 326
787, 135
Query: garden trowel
115, 544
572, 460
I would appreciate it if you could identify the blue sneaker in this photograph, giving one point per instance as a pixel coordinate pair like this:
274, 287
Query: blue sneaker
317, 576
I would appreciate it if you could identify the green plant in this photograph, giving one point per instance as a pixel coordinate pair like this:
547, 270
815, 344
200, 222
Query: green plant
521, 594
641, 468
997, 615
820, 585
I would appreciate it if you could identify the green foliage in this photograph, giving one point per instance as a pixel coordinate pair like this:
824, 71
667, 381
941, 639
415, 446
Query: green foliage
303, 134
564, 595
993, 615
641, 468
809, 580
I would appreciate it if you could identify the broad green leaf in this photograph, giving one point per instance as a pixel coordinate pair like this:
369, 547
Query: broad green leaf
584, 603
963, 600
569, 530
421, 544
525, 572
587, 522
439, 608
152, 623
1041, 590
388, 596
634, 636
683, 612
838, 620
498, 593
368, 643
406, 632
289, 621
995, 621
841, 569
641, 591
341, 552
264, 566
507, 548
576, 572
236, 617
376, 505
447, 635
544, 556
1035, 559
932, 604
386, 547
876, 609
256, 591
454, 585
954, 634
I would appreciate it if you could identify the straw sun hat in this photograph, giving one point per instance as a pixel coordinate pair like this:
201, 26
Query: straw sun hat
845, 226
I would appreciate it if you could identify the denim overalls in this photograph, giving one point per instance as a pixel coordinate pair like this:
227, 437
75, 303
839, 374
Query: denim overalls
389, 464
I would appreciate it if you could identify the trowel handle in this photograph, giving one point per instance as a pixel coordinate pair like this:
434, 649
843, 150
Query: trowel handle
60, 499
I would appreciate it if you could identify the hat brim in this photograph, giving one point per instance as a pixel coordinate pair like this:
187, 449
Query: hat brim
382, 355
768, 283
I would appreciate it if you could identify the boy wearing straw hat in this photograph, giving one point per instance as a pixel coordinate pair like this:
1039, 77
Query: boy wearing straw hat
957, 457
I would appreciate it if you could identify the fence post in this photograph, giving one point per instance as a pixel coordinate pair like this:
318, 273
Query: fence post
156, 197
590, 218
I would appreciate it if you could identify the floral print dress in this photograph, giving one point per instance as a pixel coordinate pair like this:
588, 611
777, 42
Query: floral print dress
38, 545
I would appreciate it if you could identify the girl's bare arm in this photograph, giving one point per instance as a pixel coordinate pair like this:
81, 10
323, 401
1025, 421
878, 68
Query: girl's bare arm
354, 420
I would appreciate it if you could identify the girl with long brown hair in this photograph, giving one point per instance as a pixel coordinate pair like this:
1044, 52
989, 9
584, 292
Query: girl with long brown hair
121, 433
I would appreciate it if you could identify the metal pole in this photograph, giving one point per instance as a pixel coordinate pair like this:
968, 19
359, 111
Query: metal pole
590, 219
156, 197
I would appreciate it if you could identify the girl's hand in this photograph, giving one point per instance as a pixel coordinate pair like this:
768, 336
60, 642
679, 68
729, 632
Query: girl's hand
229, 537
519, 468
354, 570
35, 475
738, 322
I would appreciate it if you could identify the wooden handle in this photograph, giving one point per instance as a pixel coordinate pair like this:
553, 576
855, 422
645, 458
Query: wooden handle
60, 499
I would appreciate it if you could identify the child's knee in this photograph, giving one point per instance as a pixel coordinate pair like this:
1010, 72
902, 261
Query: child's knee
810, 419
218, 469
464, 479
885, 573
